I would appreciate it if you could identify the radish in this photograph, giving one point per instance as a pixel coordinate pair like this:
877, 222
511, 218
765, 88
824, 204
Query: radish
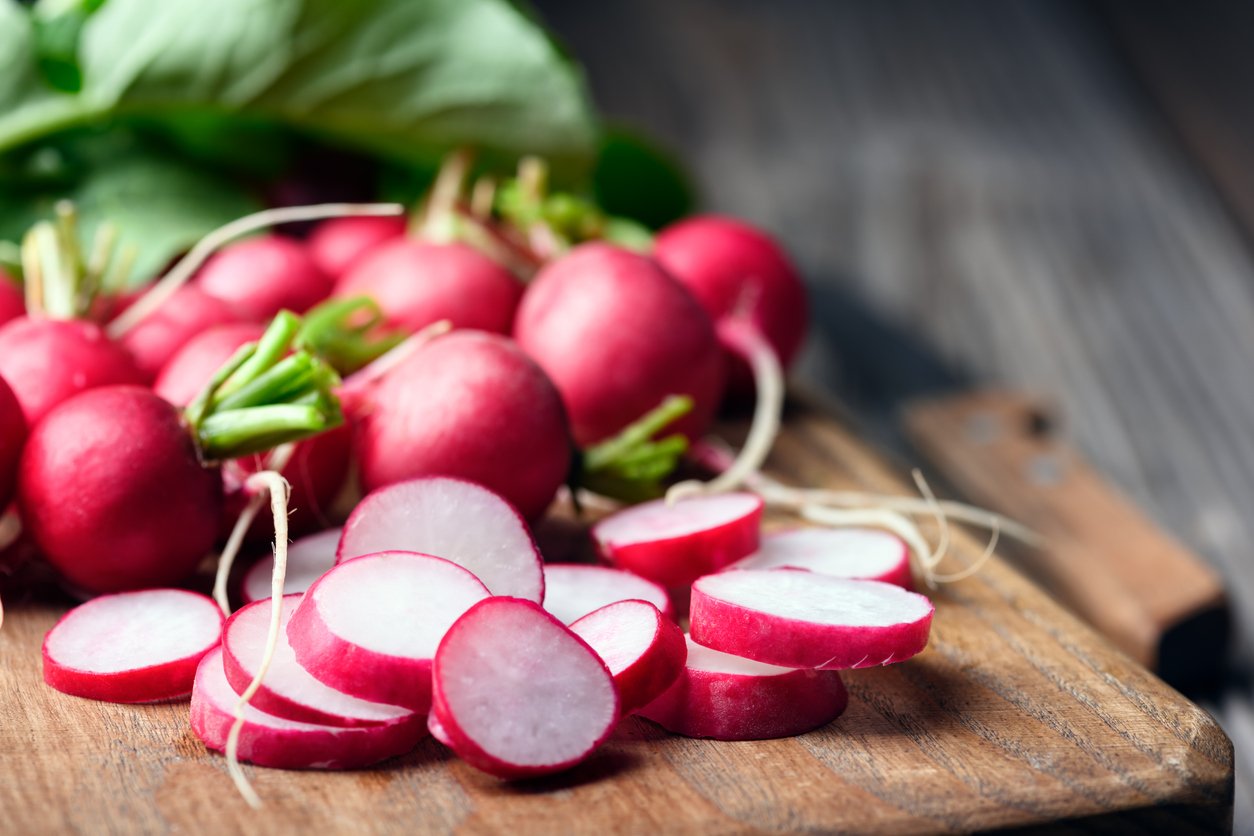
673, 544
470, 405
807, 620
308, 559
453, 519
187, 313
572, 591
12, 437
267, 740
132, 647
725, 697
437, 731
264, 275
12, 301
190, 368
370, 627
617, 335
113, 484
644, 650
859, 553
288, 690
517, 693
337, 244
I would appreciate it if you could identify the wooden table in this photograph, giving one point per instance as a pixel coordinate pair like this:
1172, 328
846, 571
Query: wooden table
1016, 715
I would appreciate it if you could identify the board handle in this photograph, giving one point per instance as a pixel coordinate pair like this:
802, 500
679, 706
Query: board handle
1104, 559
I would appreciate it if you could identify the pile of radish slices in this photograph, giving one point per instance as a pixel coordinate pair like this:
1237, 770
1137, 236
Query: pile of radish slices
433, 611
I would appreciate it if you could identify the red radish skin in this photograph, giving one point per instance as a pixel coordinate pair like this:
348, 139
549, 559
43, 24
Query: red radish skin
12, 301
417, 283
807, 620
518, 694
192, 367
132, 647
673, 544
644, 650
12, 437
264, 275
473, 406
571, 591
160, 335
338, 244
47, 361
370, 627
734, 269
453, 519
308, 559
618, 335
267, 740
288, 690
437, 731
113, 493
860, 553
725, 697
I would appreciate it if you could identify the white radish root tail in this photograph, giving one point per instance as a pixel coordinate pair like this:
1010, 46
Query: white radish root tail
276, 461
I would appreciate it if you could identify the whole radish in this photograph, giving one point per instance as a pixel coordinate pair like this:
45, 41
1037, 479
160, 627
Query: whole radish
12, 437
469, 405
12, 301
187, 313
261, 276
338, 244
736, 270
113, 485
617, 335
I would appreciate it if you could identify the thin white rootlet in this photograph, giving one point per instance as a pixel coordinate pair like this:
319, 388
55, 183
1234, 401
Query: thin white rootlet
839, 552
620, 634
819, 599
571, 592
399, 604
658, 520
133, 630
308, 559
701, 658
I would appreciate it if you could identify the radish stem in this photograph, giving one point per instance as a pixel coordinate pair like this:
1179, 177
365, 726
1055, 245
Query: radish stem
362, 378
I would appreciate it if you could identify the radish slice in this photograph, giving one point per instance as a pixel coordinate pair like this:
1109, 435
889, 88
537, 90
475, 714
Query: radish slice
370, 627
308, 559
517, 693
676, 543
806, 620
644, 650
133, 646
572, 591
453, 519
272, 741
725, 697
288, 690
437, 730
860, 553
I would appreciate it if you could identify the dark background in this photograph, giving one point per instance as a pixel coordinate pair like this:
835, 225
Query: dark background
1057, 196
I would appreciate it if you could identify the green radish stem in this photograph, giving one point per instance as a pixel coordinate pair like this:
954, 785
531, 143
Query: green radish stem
631, 465
347, 333
60, 281
379, 367
187, 266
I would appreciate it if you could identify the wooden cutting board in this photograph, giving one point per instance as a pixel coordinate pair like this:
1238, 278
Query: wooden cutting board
1016, 715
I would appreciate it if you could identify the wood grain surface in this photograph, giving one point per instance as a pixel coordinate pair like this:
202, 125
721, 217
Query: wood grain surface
1016, 715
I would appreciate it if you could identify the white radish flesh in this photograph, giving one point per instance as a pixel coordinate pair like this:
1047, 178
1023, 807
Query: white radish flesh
726, 697
518, 694
675, 543
859, 553
644, 650
267, 740
133, 646
453, 519
571, 591
370, 626
807, 620
308, 559
288, 690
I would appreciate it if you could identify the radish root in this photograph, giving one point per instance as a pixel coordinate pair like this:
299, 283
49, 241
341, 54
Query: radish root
187, 266
266, 481
275, 462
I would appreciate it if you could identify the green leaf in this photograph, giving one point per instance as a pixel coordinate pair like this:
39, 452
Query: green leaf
636, 179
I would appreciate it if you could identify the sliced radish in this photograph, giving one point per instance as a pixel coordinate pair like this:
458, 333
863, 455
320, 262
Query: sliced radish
370, 626
725, 697
437, 730
288, 690
453, 519
571, 591
860, 553
676, 543
644, 650
806, 620
272, 741
133, 646
517, 693
308, 559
